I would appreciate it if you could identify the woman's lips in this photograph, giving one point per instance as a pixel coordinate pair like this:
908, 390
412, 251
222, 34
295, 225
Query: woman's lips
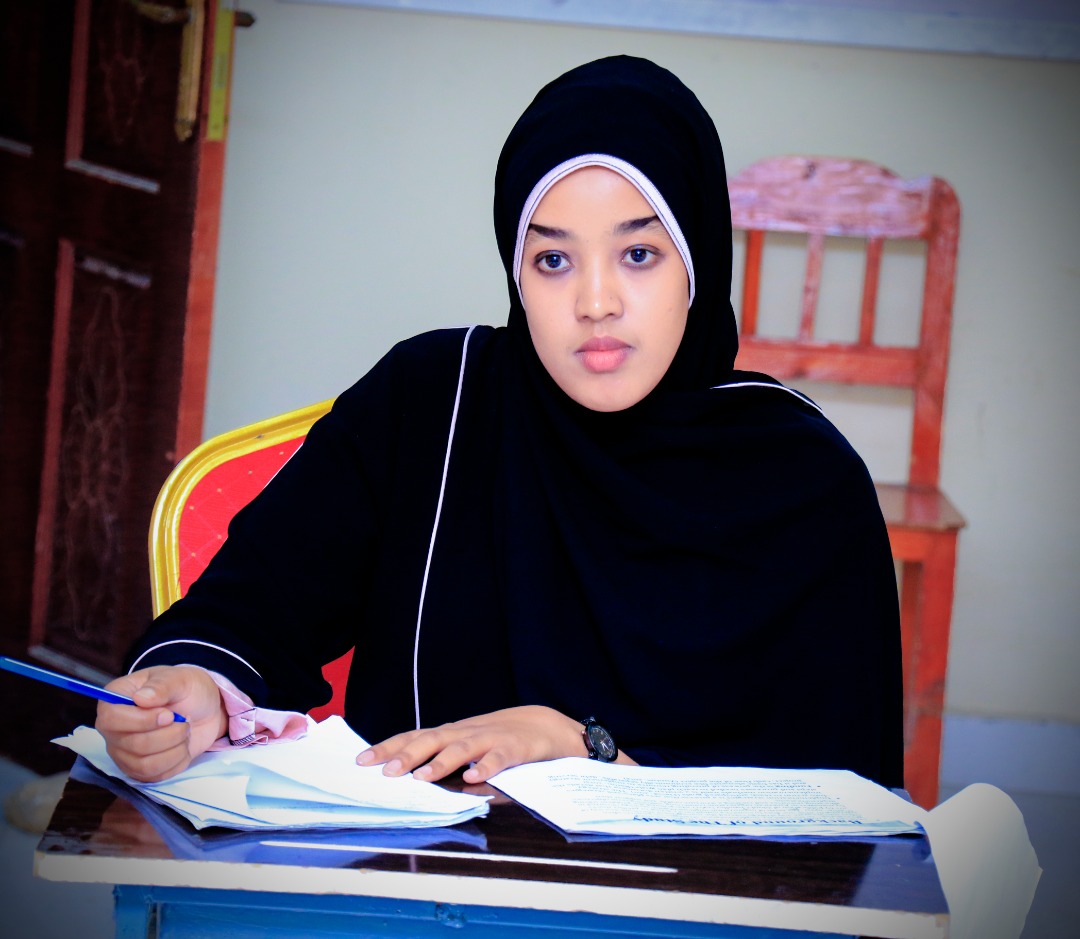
603, 354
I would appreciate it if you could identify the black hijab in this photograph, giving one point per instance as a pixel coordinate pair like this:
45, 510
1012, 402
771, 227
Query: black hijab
638, 112
706, 570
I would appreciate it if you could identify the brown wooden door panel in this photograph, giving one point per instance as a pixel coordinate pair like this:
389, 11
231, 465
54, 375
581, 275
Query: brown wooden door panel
121, 112
31, 79
104, 326
110, 426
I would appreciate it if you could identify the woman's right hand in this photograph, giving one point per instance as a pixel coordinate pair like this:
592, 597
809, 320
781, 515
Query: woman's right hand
144, 741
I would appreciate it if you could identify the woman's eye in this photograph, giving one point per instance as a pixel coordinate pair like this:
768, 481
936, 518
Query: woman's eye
639, 256
551, 262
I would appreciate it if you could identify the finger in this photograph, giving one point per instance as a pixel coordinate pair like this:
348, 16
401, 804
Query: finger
138, 745
160, 685
412, 755
162, 690
123, 718
384, 750
436, 753
494, 761
156, 766
453, 756
404, 752
148, 698
129, 684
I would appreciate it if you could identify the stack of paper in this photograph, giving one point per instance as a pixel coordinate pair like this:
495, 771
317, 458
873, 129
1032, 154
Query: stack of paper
319, 847
584, 796
309, 783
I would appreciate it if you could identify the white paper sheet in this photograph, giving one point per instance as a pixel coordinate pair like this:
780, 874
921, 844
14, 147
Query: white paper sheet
580, 795
987, 867
309, 783
985, 861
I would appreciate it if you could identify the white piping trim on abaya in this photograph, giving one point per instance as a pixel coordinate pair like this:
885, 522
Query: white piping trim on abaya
435, 527
768, 384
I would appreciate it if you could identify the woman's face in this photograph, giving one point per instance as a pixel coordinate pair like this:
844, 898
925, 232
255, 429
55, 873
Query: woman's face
605, 290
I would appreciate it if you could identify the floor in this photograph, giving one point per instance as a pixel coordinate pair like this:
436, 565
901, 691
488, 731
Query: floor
37, 909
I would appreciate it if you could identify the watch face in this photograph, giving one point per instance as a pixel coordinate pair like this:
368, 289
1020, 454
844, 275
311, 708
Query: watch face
601, 743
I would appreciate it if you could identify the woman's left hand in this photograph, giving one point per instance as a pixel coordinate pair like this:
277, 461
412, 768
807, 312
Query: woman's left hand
492, 742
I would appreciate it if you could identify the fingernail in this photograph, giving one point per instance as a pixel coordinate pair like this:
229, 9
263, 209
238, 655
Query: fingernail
366, 758
164, 719
393, 768
146, 694
471, 775
422, 773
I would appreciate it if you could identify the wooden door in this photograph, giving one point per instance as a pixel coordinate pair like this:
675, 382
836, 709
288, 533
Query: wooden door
108, 224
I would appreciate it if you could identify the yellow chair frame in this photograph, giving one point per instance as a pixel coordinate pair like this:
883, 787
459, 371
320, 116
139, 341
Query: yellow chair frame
165, 523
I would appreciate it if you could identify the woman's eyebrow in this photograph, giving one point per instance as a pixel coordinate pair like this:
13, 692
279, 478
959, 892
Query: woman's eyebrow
635, 224
544, 232
623, 228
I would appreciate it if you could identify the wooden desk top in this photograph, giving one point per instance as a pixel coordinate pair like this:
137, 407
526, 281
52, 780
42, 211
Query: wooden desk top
886, 887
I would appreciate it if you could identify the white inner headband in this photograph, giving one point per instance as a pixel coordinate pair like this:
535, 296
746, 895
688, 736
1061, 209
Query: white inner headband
629, 172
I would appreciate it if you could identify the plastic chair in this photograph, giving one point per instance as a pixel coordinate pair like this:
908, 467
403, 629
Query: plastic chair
823, 204
201, 495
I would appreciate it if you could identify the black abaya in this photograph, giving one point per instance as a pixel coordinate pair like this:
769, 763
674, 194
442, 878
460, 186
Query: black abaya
707, 572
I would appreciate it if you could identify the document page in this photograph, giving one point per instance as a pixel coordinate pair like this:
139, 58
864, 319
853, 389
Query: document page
986, 863
580, 795
313, 782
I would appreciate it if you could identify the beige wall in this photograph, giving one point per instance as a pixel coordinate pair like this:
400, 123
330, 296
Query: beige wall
357, 212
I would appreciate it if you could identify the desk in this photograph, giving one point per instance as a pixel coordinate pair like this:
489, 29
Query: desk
492, 877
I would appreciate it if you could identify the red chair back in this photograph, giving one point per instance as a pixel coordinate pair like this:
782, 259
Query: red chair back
827, 200
201, 496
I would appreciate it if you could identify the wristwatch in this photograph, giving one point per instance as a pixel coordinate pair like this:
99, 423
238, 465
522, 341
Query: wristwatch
598, 742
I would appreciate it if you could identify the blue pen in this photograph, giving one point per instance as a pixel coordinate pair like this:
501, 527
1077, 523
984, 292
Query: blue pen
71, 684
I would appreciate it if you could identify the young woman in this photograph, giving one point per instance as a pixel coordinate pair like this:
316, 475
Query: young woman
586, 517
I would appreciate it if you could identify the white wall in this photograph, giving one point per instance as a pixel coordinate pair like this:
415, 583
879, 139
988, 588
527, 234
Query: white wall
357, 211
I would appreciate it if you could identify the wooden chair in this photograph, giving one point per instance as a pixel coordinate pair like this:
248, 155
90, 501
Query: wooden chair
823, 204
202, 494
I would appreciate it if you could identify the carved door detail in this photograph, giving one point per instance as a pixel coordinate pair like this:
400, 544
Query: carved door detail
108, 227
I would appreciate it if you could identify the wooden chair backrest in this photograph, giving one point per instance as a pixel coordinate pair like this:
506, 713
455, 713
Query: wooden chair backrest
823, 198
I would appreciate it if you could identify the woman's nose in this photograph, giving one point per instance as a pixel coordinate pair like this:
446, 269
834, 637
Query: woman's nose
599, 296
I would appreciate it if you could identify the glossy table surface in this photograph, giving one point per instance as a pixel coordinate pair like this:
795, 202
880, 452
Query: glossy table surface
102, 832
